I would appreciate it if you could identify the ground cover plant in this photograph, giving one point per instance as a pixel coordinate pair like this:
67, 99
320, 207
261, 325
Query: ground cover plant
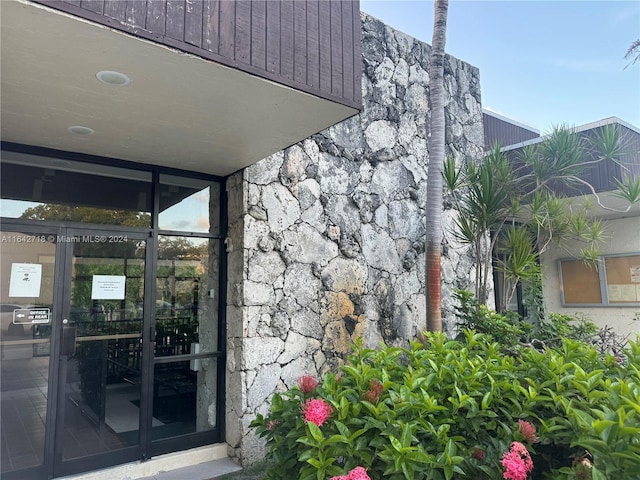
462, 409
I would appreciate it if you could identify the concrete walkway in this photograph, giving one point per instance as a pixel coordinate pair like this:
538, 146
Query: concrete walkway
202, 471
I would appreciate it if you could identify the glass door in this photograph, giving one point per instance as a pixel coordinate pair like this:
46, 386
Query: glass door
28, 299
101, 394
117, 356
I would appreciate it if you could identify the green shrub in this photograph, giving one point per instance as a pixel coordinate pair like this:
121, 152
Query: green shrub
556, 326
447, 409
507, 328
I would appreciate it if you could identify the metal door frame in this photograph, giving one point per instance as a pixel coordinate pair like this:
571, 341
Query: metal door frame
147, 447
32, 228
58, 466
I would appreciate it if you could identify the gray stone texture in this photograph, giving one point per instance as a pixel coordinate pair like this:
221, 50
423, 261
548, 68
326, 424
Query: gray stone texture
327, 237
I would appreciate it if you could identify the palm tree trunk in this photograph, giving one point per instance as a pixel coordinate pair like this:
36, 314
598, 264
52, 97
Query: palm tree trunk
436, 160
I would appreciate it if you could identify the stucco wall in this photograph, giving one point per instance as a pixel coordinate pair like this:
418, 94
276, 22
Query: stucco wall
326, 238
624, 238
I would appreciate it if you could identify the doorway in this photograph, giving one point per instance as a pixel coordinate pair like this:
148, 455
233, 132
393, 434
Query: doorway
72, 349
112, 320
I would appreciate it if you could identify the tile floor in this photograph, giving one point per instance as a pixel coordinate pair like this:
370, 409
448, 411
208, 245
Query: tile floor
23, 387
23, 401
23, 411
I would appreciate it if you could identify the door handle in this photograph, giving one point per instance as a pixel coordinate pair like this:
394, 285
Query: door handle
68, 339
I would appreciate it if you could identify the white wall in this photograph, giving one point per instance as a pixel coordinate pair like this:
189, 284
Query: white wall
624, 238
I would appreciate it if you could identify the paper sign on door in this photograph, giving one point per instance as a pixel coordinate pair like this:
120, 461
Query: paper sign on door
108, 287
25, 280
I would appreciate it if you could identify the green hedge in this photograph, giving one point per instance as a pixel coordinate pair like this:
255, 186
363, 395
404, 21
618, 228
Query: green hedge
447, 409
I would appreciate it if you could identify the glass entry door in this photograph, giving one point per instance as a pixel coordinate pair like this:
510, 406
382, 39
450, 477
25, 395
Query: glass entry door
73, 351
116, 356
29, 303
102, 355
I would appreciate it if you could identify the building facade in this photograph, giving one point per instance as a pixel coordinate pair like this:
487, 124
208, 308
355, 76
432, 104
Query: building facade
159, 280
607, 292
326, 238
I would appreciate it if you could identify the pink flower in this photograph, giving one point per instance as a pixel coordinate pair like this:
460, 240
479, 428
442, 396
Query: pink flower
358, 473
528, 431
516, 462
307, 384
316, 411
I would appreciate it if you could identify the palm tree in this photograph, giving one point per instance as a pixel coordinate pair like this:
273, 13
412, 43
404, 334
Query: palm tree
436, 159
634, 51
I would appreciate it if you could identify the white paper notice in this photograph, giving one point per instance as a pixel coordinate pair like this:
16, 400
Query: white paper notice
108, 287
25, 280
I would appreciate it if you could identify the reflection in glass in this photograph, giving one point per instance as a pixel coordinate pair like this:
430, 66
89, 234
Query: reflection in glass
189, 205
38, 188
186, 324
24, 348
184, 397
102, 390
186, 307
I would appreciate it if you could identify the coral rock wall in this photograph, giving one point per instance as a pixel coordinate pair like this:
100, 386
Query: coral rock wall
326, 238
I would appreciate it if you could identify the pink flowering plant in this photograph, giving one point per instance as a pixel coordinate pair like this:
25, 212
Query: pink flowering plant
446, 409
307, 384
517, 462
358, 473
316, 411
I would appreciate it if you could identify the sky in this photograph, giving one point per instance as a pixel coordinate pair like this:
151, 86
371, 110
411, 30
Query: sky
542, 63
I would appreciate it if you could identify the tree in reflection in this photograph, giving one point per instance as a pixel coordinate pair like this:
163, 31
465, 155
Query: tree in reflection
71, 213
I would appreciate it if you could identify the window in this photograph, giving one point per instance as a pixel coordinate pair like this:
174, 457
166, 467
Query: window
613, 281
189, 205
42, 188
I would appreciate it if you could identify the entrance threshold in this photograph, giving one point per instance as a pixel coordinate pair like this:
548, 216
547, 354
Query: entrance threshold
202, 463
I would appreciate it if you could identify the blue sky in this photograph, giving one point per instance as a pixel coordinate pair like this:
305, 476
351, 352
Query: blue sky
542, 63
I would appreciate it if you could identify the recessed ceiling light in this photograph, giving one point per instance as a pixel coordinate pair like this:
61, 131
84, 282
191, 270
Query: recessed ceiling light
113, 78
82, 131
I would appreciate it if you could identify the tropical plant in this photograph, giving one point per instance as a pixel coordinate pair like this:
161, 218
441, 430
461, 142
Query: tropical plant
633, 52
484, 207
434, 235
506, 328
463, 409
511, 208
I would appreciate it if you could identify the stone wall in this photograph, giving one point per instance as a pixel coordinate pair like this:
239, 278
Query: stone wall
326, 238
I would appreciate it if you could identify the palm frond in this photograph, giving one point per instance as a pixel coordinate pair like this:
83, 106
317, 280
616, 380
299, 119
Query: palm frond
607, 143
634, 50
452, 175
628, 189
519, 255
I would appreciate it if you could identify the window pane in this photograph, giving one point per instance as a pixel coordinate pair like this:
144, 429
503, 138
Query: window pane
184, 397
623, 278
187, 296
580, 283
189, 205
39, 188
102, 383
24, 350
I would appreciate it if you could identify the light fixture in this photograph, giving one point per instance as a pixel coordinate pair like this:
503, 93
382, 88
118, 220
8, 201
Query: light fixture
110, 77
80, 130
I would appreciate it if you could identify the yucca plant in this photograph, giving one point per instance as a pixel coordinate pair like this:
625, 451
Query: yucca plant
513, 208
